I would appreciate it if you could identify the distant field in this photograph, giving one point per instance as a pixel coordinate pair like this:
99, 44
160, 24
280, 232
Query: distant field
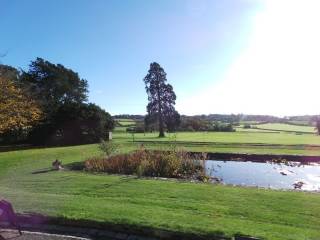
125, 122
248, 122
267, 138
253, 129
229, 137
286, 127
254, 142
306, 123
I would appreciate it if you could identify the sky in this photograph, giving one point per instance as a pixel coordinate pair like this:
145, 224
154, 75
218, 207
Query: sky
231, 56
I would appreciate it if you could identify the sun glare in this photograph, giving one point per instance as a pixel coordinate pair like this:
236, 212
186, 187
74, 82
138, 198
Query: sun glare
278, 73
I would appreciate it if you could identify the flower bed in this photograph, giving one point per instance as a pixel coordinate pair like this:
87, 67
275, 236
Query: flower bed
174, 164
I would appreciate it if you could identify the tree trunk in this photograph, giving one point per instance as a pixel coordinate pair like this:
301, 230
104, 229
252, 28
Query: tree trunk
161, 128
160, 117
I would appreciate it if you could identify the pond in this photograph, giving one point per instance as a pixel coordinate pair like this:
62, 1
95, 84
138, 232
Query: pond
288, 175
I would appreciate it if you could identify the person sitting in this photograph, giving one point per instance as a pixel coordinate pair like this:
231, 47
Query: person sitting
57, 165
7, 214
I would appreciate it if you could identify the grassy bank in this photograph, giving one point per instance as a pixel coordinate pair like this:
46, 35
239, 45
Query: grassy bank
170, 205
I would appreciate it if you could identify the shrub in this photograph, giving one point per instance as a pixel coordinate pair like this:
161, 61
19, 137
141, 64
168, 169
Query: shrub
138, 128
221, 127
108, 147
73, 124
173, 164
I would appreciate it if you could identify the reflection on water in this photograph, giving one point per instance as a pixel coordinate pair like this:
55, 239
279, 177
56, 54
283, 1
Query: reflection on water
288, 175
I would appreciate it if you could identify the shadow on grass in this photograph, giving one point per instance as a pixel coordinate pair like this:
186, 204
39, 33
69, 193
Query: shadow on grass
46, 170
75, 166
99, 230
18, 147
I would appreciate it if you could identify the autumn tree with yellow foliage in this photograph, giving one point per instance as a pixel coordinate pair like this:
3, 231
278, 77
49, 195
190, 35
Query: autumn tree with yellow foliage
57, 112
17, 109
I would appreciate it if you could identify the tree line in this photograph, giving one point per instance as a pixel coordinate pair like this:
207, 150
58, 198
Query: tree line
305, 120
48, 105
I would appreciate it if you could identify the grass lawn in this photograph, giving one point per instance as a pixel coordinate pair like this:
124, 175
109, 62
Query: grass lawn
228, 142
170, 205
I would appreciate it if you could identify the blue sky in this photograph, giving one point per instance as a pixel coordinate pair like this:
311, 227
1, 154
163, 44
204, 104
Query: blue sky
200, 44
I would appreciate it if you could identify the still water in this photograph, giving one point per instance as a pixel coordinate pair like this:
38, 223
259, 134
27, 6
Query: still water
290, 175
